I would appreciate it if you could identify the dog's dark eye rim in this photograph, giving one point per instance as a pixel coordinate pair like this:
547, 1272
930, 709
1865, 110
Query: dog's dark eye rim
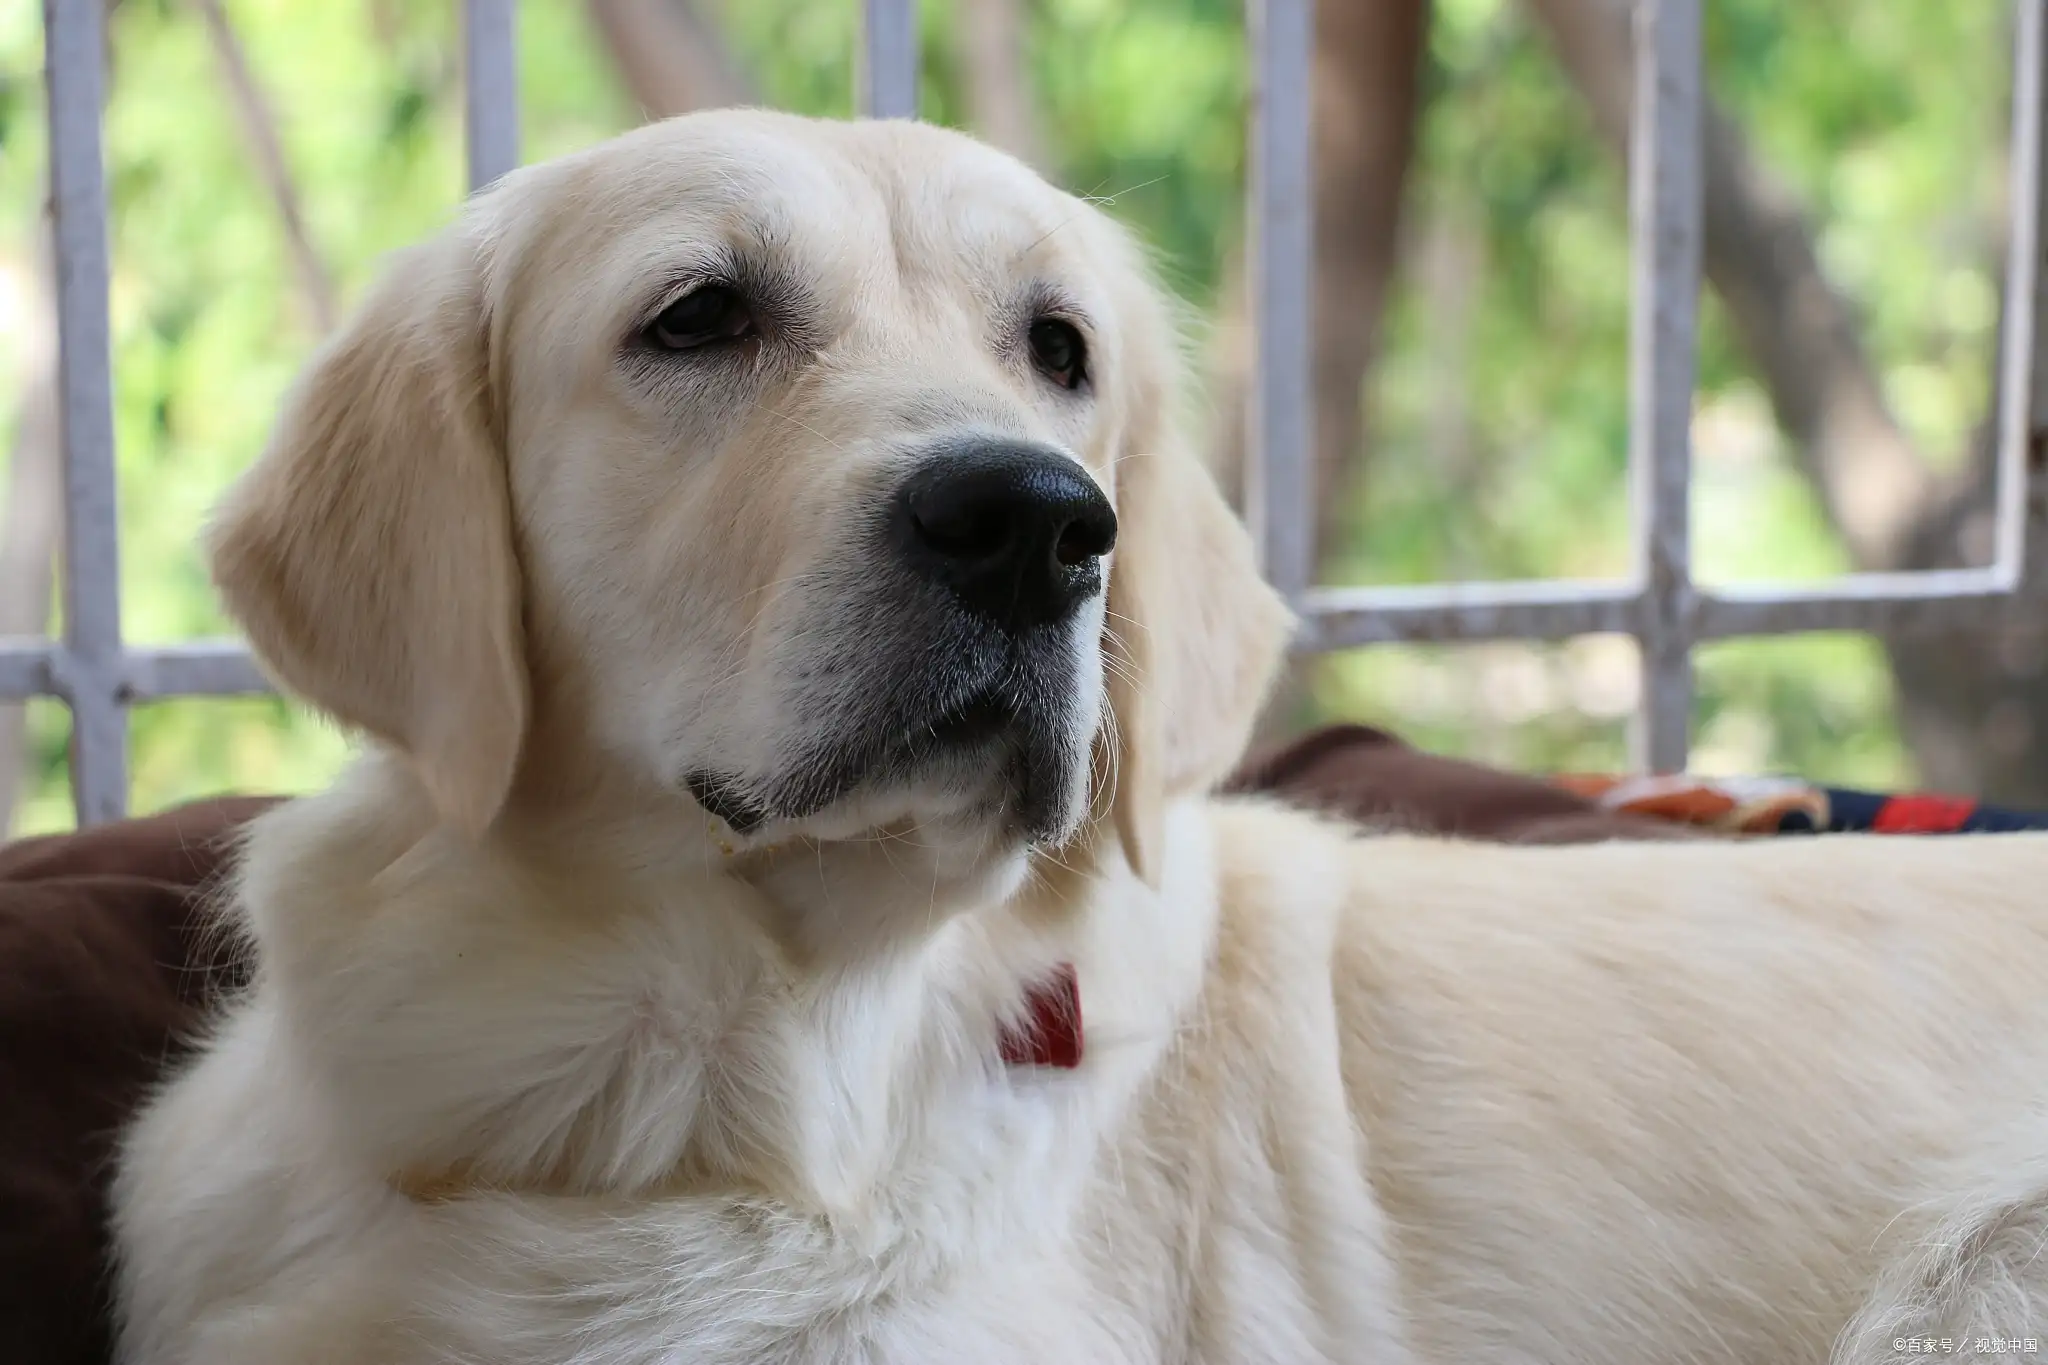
713, 313
1059, 349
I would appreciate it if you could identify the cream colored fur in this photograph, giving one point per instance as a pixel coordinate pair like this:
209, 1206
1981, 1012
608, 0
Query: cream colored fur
533, 1072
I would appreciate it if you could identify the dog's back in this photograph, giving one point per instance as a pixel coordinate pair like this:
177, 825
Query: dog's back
1675, 1103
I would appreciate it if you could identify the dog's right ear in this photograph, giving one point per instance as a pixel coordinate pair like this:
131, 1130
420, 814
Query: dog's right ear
1193, 635
368, 553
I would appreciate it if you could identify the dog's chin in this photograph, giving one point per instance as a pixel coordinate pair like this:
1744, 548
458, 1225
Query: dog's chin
982, 793
982, 768
980, 780
952, 834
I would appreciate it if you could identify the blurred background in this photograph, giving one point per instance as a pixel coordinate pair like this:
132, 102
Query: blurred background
1471, 340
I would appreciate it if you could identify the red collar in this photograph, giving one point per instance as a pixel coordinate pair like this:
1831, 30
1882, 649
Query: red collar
1049, 1034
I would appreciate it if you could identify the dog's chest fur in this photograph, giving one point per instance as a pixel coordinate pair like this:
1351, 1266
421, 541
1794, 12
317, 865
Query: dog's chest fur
633, 1139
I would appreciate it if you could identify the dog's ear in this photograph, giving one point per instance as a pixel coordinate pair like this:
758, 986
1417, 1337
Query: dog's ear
368, 553
1193, 635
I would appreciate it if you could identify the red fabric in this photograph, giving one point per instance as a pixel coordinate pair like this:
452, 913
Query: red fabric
1922, 814
1050, 1034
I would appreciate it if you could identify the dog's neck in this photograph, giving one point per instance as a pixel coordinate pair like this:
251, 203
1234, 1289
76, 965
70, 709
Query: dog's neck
581, 1012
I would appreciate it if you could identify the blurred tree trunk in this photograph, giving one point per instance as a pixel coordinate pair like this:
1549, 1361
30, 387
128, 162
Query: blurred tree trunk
672, 57
1367, 95
1972, 704
996, 65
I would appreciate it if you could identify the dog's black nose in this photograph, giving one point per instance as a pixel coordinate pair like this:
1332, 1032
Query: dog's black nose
1016, 531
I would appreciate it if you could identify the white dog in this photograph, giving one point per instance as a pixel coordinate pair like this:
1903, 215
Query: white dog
796, 645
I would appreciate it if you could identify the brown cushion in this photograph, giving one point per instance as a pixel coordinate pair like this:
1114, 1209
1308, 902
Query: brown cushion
184, 846
105, 966
100, 977
1367, 775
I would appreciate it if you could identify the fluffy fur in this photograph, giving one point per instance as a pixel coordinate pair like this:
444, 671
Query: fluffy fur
534, 1071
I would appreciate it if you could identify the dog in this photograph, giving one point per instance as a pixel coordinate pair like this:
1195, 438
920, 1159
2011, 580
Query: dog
779, 914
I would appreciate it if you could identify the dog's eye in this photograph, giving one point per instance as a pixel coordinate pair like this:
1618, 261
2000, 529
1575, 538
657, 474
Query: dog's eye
706, 316
1059, 352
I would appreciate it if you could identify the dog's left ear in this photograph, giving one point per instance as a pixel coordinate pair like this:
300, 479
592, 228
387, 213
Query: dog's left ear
1193, 635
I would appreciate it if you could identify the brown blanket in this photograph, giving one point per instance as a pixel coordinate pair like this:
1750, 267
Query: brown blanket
105, 966
1369, 776
103, 970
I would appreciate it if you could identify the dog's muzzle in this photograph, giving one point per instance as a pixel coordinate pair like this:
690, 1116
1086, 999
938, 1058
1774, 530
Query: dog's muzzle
955, 664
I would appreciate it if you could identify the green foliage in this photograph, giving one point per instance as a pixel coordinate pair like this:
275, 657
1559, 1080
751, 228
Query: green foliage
1498, 411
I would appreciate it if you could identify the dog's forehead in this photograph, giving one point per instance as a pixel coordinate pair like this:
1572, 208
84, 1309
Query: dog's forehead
830, 195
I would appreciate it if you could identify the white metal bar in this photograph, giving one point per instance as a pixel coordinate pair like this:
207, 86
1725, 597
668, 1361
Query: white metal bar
1334, 618
202, 668
89, 671
1556, 609
490, 88
1280, 487
2020, 369
1891, 602
1664, 242
25, 670
1345, 618
888, 68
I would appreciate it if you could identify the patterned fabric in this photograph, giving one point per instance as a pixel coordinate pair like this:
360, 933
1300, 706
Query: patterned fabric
1783, 805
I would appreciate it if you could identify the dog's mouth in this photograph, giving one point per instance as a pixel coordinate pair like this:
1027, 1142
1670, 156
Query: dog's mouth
726, 799
990, 751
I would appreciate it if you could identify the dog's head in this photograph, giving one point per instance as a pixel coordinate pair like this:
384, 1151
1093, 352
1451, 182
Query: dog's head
823, 475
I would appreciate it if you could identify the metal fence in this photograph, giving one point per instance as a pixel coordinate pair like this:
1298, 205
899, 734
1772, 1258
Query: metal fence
98, 677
